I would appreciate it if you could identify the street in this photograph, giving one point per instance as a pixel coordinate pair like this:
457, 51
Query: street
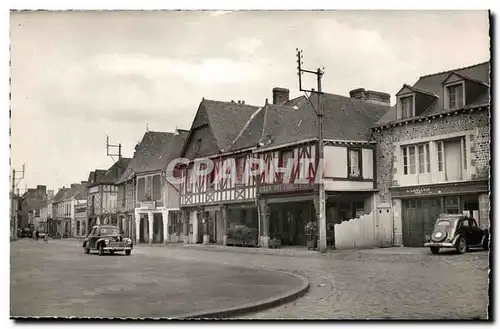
394, 283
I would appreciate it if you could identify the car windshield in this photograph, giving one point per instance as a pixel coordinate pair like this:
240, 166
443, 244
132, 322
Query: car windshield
109, 231
444, 223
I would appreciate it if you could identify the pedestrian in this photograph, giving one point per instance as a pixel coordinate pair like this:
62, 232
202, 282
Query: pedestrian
37, 234
45, 238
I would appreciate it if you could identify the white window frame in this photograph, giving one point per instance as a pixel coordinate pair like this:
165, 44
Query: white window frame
400, 105
426, 155
354, 164
447, 94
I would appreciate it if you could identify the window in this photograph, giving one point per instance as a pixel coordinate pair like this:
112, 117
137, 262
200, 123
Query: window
412, 165
354, 160
141, 188
455, 96
240, 166
414, 154
440, 156
149, 187
406, 107
465, 223
37, 212
156, 187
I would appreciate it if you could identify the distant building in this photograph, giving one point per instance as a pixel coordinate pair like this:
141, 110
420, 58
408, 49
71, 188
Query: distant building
31, 204
102, 193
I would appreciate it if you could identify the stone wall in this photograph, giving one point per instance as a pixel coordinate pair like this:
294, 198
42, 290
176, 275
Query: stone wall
480, 153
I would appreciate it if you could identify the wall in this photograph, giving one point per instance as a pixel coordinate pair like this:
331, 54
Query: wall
480, 146
336, 162
369, 231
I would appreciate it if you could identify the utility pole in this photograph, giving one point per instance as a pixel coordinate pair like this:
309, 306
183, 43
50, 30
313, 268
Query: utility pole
321, 213
13, 196
108, 146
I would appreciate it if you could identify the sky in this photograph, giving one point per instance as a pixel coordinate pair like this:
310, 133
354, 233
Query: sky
79, 76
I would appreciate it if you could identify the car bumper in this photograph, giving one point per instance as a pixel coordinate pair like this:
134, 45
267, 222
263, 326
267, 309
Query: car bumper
439, 244
117, 248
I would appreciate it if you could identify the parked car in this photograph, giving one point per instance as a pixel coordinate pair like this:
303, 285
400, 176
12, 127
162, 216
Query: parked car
457, 231
107, 238
26, 232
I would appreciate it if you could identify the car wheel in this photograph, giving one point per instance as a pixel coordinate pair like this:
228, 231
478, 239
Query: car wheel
101, 250
128, 252
111, 252
462, 246
435, 250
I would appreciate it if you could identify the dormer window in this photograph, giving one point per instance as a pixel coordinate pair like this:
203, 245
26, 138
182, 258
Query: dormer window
455, 96
407, 107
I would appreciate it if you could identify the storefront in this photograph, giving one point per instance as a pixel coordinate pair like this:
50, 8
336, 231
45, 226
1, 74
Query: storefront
285, 209
420, 206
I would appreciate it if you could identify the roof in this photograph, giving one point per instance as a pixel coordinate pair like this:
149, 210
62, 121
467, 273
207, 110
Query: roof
345, 119
148, 155
433, 84
60, 195
225, 119
111, 175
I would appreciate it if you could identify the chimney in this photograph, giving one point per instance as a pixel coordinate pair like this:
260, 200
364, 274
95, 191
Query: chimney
371, 96
50, 194
243, 102
239, 102
280, 95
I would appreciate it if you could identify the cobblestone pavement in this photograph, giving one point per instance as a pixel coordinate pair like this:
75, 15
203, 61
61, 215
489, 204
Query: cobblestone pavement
395, 283
61, 280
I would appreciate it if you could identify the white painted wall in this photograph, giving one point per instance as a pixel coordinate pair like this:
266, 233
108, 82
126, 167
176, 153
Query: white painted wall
335, 161
367, 170
369, 231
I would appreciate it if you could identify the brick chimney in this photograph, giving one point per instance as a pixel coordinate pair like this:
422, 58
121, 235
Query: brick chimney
371, 96
280, 95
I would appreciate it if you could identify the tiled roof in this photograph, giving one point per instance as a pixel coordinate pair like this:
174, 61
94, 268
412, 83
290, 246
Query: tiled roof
111, 175
60, 195
345, 119
227, 119
153, 153
434, 84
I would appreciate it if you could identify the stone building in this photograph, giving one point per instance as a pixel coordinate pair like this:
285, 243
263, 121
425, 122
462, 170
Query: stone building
433, 151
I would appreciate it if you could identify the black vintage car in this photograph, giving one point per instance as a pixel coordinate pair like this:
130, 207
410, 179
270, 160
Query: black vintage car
107, 238
457, 231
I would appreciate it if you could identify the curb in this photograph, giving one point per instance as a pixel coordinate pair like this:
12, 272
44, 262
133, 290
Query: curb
255, 306
255, 251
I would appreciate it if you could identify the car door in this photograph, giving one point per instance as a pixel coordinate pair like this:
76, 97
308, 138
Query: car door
93, 237
465, 229
475, 232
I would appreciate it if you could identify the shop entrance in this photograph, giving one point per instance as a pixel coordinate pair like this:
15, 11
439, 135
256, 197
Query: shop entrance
288, 220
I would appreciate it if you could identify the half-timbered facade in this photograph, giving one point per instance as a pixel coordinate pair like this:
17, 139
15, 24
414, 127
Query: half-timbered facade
102, 195
225, 196
433, 151
273, 187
